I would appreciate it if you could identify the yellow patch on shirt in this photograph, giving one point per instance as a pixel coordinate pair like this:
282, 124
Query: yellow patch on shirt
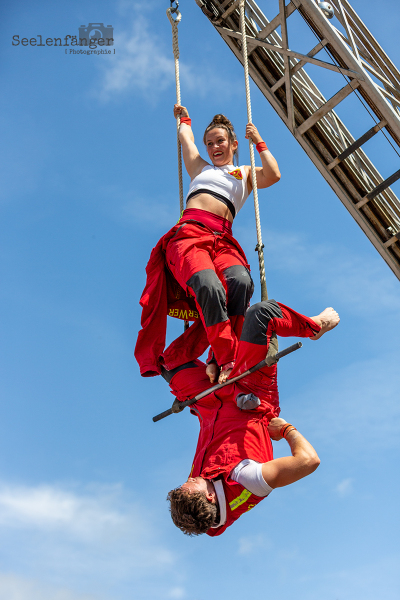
244, 496
237, 174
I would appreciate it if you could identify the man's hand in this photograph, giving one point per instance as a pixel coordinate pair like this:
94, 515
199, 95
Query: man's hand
274, 428
288, 469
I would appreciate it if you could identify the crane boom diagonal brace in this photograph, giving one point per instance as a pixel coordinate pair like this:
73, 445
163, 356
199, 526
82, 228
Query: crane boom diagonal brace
357, 58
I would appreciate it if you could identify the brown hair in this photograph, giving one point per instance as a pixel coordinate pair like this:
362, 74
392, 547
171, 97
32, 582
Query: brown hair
191, 512
222, 122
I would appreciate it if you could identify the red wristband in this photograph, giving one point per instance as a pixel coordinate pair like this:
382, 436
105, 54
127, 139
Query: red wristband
285, 429
186, 120
261, 146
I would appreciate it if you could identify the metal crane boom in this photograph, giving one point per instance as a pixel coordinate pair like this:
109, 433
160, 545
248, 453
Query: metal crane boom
369, 73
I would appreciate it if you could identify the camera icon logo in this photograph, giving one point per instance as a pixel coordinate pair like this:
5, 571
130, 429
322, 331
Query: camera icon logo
97, 31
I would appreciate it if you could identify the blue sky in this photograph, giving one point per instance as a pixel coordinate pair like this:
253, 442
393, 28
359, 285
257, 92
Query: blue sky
89, 184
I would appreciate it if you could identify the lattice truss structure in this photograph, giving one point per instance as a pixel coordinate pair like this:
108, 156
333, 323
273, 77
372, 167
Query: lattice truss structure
366, 70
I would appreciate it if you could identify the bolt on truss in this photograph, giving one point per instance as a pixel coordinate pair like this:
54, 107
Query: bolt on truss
368, 72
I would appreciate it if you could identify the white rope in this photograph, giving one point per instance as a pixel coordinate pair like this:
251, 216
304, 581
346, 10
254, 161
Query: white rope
175, 47
260, 245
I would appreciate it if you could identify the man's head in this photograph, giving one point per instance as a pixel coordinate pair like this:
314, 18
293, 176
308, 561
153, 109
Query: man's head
194, 506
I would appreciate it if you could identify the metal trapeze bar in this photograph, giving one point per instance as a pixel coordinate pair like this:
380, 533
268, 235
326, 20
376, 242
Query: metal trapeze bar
267, 362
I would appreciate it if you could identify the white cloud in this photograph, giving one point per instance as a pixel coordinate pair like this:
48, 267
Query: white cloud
48, 507
13, 587
140, 63
345, 487
85, 539
176, 593
144, 64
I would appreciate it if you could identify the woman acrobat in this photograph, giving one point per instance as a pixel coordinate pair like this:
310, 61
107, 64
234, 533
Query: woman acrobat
200, 251
216, 194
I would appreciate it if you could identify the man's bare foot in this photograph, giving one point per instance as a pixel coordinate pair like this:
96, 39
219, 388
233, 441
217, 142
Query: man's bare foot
212, 371
327, 320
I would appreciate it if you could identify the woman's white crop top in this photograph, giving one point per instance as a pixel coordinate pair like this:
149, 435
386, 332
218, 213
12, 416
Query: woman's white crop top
228, 184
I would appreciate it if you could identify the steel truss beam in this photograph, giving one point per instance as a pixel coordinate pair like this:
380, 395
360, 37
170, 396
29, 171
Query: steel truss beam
279, 73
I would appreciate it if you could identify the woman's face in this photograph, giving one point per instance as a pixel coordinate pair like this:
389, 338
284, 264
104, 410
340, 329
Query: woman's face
219, 147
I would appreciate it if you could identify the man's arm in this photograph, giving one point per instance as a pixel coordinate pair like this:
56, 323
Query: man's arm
288, 469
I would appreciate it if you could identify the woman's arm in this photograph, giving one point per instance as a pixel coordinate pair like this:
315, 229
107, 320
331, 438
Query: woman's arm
269, 173
192, 159
284, 471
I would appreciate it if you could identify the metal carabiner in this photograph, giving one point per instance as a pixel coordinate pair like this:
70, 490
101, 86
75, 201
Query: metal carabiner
175, 10
172, 8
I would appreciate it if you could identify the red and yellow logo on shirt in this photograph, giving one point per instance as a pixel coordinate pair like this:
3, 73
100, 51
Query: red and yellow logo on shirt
237, 174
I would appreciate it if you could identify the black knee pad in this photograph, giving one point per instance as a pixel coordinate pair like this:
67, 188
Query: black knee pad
240, 289
210, 295
257, 320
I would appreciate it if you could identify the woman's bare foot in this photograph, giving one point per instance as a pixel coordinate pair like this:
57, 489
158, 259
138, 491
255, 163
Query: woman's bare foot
225, 372
212, 371
327, 320
223, 376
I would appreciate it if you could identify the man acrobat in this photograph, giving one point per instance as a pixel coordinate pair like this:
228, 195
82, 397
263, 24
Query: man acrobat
233, 468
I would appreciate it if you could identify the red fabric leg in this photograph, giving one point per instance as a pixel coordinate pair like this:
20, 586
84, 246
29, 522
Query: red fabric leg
187, 347
188, 258
226, 258
291, 324
237, 324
